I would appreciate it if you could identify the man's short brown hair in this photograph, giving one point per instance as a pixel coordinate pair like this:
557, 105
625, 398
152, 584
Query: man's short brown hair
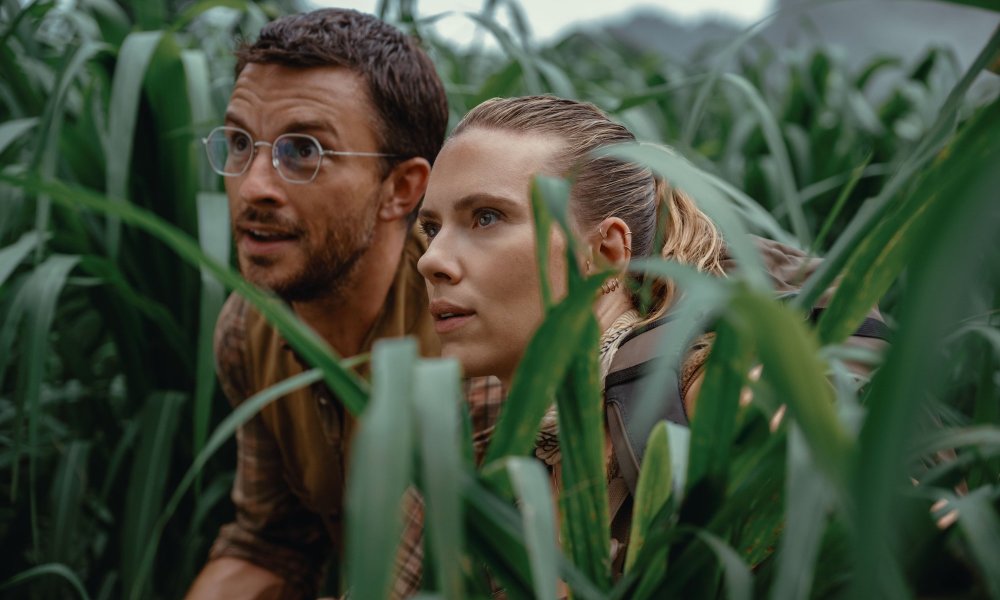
403, 86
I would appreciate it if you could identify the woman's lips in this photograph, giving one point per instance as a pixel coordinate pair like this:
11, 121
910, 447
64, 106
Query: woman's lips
450, 324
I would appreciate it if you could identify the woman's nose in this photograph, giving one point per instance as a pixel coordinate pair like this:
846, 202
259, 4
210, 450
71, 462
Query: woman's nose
439, 264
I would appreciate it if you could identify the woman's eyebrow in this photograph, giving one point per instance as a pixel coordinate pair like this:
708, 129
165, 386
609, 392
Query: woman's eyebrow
467, 203
470, 201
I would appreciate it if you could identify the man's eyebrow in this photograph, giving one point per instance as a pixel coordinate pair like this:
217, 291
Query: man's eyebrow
306, 126
301, 126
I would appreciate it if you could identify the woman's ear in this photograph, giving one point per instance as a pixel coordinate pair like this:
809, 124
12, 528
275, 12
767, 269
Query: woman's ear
613, 243
405, 185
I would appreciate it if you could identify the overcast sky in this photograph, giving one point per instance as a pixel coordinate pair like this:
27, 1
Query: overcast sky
548, 18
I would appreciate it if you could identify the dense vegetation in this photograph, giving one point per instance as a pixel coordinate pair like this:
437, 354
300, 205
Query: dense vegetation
116, 447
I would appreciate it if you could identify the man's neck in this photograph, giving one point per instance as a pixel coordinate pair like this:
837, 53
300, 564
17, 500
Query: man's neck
344, 320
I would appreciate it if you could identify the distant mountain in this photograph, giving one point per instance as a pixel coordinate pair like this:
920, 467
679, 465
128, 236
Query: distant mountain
860, 29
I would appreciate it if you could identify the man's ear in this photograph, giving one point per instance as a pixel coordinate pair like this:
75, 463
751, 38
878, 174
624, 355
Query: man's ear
405, 186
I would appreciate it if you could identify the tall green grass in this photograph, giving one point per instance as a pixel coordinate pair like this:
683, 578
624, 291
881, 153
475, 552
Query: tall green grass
116, 446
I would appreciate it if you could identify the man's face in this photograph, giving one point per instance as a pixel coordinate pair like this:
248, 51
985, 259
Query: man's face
302, 240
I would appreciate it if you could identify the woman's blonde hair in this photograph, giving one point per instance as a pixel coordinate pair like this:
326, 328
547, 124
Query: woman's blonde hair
607, 187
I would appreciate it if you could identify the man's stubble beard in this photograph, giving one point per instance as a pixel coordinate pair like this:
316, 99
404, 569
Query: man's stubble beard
329, 270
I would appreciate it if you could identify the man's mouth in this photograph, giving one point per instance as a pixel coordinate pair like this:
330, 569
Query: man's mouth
259, 235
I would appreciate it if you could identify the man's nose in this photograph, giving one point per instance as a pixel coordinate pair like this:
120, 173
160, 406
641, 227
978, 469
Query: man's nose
261, 184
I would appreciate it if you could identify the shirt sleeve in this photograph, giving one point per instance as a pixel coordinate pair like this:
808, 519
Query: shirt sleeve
272, 529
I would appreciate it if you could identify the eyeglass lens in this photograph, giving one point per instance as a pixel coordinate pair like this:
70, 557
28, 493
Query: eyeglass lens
230, 151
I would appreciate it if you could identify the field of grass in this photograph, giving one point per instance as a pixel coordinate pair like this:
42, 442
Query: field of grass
116, 446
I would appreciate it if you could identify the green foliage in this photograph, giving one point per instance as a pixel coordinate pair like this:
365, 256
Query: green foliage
116, 446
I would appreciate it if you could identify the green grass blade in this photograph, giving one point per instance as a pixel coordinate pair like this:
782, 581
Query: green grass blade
655, 485
67, 500
807, 496
783, 164
437, 397
714, 421
147, 484
373, 497
953, 242
47, 569
11, 256
14, 129
226, 429
583, 498
881, 256
37, 298
547, 357
874, 210
838, 206
213, 237
134, 58
531, 485
977, 516
346, 384
790, 356
739, 581
683, 175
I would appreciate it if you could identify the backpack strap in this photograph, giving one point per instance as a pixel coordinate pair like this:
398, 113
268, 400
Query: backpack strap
634, 360
871, 327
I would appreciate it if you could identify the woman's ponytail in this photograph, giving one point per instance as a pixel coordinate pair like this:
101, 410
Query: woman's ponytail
689, 237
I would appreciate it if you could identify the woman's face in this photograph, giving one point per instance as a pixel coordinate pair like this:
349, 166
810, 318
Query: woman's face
482, 279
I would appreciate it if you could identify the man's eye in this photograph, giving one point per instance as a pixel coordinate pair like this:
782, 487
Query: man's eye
429, 229
239, 142
487, 217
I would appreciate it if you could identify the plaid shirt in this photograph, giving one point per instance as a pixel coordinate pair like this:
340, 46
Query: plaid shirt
275, 527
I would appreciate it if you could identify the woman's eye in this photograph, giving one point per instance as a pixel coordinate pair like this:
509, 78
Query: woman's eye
430, 229
487, 217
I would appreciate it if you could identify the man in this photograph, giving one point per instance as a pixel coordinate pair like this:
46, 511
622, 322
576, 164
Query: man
328, 140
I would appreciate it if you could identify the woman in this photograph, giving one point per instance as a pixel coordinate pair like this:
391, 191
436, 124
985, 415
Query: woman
480, 267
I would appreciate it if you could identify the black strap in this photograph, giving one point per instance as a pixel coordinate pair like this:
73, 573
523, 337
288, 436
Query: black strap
869, 328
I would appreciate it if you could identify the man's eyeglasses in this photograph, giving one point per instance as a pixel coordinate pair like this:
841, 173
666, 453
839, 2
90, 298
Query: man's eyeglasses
296, 156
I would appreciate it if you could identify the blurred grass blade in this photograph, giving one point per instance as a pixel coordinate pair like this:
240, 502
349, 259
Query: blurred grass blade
783, 164
147, 484
213, 237
373, 497
714, 421
532, 82
807, 496
681, 174
838, 206
437, 398
11, 256
652, 491
36, 300
789, 354
543, 223
347, 385
952, 242
14, 129
225, 431
984, 438
546, 360
874, 210
583, 498
56, 569
126, 95
881, 256
531, 485
739, 581
68, 495
977, 516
